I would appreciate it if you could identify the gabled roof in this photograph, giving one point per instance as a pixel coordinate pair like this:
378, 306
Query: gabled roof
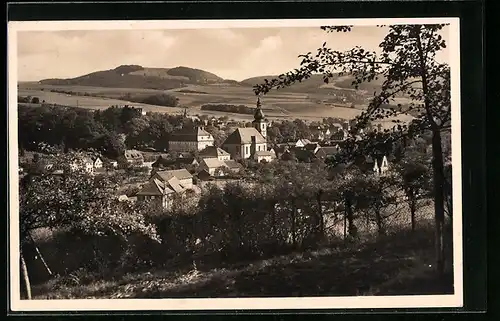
244, 136
189, 134
213, 151
175, 185
232, 164
311, 146
304, 141
213, 162
204, 175
133, 154
153, 187
178, 173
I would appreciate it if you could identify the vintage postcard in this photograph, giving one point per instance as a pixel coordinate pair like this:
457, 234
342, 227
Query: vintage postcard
234, 164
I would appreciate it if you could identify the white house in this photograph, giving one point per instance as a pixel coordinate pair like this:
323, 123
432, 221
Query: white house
380, 165
264, 155
302, 142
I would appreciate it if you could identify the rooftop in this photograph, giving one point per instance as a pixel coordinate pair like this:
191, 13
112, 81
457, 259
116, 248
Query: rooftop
178, 173
244, 136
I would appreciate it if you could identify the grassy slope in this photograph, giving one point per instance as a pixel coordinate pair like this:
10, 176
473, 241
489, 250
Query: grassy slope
398, 264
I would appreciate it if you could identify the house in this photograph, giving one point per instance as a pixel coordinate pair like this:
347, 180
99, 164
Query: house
312, 147
163, 186
381, 165
339, 135
123, 198
190, 140
215, 152
97, 162
204, 175
218, 168
244, 142
134, 157
330, 151
164, 162
212, 166
233, 165
185, 178
319, 133
159, 191
86, 163
377, 163
302, 142
263, 155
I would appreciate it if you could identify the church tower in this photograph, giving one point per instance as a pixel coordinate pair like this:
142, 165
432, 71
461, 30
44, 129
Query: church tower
260, 122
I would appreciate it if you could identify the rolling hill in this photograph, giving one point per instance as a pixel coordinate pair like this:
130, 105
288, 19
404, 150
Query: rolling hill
316, 84
134, 76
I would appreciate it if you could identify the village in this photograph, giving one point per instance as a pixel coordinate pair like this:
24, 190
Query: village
197, 180
193, 160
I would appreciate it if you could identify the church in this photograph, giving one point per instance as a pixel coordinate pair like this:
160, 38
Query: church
250, 142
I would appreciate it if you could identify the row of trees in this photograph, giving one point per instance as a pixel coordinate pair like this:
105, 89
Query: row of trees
108, 131
239, 109
162, 99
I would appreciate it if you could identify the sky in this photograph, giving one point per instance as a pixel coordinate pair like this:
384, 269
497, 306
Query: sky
231, 53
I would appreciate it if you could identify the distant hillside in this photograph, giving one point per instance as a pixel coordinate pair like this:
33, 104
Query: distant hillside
316, 84
134, 76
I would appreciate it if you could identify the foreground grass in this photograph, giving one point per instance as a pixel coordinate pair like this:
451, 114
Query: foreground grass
398, 264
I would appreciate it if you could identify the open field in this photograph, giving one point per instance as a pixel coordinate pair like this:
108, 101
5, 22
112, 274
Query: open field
278, 105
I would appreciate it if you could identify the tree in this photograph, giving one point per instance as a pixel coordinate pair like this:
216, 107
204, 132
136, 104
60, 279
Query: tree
408, 68
414, 180
77, 201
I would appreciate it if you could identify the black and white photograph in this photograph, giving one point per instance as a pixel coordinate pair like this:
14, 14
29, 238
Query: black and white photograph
234, 164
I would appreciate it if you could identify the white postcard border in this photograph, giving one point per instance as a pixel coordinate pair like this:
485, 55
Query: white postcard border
289, 303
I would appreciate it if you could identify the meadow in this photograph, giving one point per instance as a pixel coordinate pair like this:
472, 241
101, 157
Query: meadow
280, 105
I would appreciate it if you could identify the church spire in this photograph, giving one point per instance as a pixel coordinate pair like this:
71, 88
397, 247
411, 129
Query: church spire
260, 122
258, 115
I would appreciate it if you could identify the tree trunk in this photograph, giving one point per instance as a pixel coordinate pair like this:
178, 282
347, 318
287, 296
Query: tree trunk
345, 223
438, 173
351, 228
273, 221
320, 221
293, 218
413, 209
378, 218
26, 279
437, 162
